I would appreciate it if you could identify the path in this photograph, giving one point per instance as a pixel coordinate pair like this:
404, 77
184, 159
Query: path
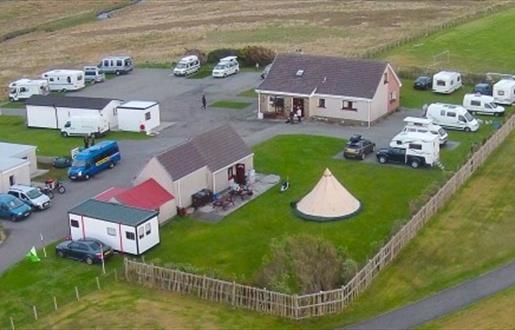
444, 302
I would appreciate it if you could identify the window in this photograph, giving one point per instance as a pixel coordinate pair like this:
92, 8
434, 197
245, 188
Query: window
451, 114
393, 96
385, 78
111, 231
141, 232
51, 79
230, 173
82, 247
461, 118
119, 63
69, 79
147, 115
475, 103
440, 82
130, 235
321, 103
148, 229
442, 112
348, 105
459, 78
500, 93
12, 180
106, 63
74, 223
23, 89
415, 146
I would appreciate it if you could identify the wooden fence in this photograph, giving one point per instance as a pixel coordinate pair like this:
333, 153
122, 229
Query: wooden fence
319, 303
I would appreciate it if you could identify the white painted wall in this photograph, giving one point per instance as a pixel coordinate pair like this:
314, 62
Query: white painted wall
148, 240
333, 108
21, 175
167, 211
131, 119
221, 178
41, 116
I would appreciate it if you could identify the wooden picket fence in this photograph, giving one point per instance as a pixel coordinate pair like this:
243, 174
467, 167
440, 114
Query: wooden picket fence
319, 303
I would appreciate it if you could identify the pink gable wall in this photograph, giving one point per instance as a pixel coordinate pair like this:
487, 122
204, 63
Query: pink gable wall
393, 87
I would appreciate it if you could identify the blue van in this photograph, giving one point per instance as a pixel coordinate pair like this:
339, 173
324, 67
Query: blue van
92, 160
12, 208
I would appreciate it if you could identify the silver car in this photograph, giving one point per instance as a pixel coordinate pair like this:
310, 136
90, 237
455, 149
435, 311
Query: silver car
31, 196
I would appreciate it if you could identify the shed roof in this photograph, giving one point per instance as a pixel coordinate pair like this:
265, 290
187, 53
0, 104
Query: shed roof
82, 102
137, 105
109, 194
112, 212
305, 74
14, 149
148, 195
7, 163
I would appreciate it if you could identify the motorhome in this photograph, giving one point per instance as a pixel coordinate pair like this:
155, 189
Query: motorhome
116, 64
187, 65
452, 116
85, 125
93, 75
22, 89
64, 80
424, 125
420, 150
446, 82
226, 66
504, 91
482, 104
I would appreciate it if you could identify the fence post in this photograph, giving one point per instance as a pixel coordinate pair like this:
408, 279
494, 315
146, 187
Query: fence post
34, 309
12, 324
98, 283
296, 306
77, 293
126, 266
233, 299
55, 303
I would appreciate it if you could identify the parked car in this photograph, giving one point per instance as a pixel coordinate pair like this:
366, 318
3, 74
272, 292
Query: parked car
31, 196
62, 162
93, 75
87, 250
358, 147
12, 208
482, 104
483, 89
423, 82
265, 71
116, 64
452, 116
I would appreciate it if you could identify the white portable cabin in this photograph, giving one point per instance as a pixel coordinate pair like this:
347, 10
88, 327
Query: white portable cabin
54, 111
64, 80
126, 229
424, 125
452, 116
24, 88
483, 104
446, 82
504, 91
138, 116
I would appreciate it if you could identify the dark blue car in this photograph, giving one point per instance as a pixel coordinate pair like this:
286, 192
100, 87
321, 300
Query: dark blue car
484, 89
89, 251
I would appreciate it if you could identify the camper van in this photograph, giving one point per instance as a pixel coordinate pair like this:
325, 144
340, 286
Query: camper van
64, 80
83, 126
116, 65
420, 150
93, 160
424, 125
504, 91
187, 65
22, 89
93, 75
446, 82
483, 104
452, 116
226, 66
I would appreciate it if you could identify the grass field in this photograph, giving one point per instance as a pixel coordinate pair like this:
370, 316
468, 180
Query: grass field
12, 105
496, 312
230, 104
415, 99
479, 46
49, 142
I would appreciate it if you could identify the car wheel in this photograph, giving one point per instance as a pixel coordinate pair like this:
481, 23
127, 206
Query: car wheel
88, 260
111, 165
50, 194
61, 189
60, 254
382, 159
64, 134
86, 177
225, 75
12, 218
467, 129
414, 164
363, 156
117, 72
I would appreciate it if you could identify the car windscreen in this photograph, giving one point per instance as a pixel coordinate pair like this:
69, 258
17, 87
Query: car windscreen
14, 203
78, 163
468, 116
93, 246
220, 67
90, 73
441, 131
33, 193
353, 145
181, 66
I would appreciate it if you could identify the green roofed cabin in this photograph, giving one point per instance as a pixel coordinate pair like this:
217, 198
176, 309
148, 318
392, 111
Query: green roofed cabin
126, 229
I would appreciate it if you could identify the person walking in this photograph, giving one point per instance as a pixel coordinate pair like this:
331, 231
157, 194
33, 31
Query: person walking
204, 102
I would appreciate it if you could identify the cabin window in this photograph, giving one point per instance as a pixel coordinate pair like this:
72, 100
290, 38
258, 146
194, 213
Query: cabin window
69, 79
141, 232
51, 79
500, 93
74, 223
415, 146
348, 105
106, 63
111, 231
461, 118
475, 103
385, 78
451, 114
230, 173
12, 181
130, 235
119, 63
442, 112
440, 82
459, 78
393, 96
23, 89
147, 115
321, 103
148, 229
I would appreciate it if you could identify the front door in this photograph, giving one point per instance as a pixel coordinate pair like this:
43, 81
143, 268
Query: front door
298, 103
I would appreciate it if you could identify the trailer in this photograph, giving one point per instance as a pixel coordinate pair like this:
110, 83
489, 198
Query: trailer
504, 91
446, 82
126, 229
64, 80
24, 88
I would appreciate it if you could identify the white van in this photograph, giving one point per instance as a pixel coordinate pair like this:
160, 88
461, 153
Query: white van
425, 125
226, 66
64, 80
452, 116
116, 64
90, 125
484, 104
446, 82
22, 89
187, 65
504, 91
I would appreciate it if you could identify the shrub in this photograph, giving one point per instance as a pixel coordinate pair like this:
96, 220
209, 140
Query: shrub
251, 55
200, 54
215, 55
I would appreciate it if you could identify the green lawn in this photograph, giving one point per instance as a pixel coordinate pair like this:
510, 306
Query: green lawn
249, 93
230, 104
13, 105
483, 45
414, 99
49, 142
53, 173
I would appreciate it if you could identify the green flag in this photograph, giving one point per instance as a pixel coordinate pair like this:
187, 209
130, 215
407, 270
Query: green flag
32, 255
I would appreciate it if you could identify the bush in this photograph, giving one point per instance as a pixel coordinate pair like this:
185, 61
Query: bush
197, 52
215, 55
251, 55
305, 264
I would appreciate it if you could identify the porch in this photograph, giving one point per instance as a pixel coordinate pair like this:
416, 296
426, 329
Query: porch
280, 106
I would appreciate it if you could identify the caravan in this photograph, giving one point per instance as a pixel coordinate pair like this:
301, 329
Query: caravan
64, 80
483, 104
187, 65
24, 88
504, 91
452, 116
446, 82
116, 65
425, 125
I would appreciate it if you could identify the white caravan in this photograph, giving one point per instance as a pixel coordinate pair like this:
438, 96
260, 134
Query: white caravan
452, 116
116, 65
187, 65
226, 66
64, 80
504, 91
483, 104
90, 125
446, 82
22, 89
425, 125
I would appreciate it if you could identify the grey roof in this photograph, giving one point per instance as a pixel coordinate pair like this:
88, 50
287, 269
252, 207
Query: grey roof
82, 102
215, 149
325, 75
14, 149
6, 163
112, 212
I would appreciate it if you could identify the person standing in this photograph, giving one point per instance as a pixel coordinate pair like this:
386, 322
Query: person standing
204, 102
299, 114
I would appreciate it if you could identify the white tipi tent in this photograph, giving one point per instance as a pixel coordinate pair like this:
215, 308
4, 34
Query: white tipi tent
328, 200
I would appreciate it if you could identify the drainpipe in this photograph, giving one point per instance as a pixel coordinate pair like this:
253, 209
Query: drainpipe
259, 116
369, 106
179, 192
